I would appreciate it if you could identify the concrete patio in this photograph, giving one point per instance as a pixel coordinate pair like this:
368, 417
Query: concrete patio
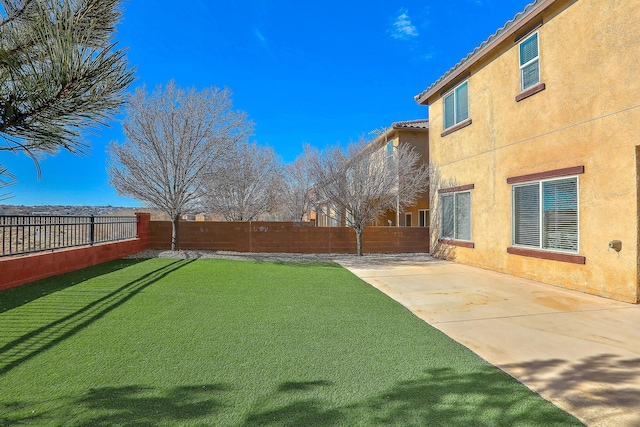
579, 351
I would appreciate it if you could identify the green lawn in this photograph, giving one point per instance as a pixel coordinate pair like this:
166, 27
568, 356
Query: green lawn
231, 343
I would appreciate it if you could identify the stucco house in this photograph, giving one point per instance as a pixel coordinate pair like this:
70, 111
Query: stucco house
414, 133
535, 137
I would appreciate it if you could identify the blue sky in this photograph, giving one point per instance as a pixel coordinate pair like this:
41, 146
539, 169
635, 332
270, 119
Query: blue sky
321, 73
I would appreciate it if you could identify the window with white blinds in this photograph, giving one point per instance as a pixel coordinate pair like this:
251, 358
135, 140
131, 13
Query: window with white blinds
545, 214
456, 105
448, 221
529, 62
463, 216
456, 216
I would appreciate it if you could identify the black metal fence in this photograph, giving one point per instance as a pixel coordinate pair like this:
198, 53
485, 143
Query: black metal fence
34, 233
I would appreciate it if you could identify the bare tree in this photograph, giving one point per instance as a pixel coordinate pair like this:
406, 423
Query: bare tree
438, 249
6, 179
244, 185
173, 140
297, 190
60, 72
362, 182
413, 175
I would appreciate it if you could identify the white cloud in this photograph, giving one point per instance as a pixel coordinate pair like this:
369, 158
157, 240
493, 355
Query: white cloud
402, 27
260, 37
428, 56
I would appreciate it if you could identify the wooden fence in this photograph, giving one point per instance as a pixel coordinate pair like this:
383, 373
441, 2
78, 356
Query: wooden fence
287, 237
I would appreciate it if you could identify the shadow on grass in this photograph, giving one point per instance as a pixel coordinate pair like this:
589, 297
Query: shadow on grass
128, 406
137, 405
32, 342
23, 294
441, 397
444, 397
300, 410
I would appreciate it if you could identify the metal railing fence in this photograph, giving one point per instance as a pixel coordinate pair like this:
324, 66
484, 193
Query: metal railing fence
22, 234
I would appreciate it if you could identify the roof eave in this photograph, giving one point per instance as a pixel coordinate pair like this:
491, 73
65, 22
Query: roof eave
474, 57
397, 126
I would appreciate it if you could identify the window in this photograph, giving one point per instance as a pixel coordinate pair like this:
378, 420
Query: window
389, 149
407, 220
545, 215
456, 105
389, 157
529, 62
423, 218
456, 216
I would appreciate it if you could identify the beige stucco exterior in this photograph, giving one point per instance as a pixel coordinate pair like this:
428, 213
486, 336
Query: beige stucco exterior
414, 133
418, 138
587, 115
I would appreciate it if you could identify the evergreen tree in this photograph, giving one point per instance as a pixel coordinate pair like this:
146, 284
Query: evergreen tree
60, 72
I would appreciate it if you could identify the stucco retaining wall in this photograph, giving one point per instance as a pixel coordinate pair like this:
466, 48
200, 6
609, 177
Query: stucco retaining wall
18, 270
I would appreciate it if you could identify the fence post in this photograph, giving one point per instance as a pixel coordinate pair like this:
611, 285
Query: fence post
92, 230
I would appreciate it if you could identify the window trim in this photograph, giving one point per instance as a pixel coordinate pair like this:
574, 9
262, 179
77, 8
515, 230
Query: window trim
409, 216
540, 252
531, 91
556, 173
524, 34
457, 124
453, 192
530, 62
461, 243
426, 217
548, 255
452, 129
457, 189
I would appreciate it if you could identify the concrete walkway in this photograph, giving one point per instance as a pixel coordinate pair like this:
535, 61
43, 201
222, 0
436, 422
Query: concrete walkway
579, 351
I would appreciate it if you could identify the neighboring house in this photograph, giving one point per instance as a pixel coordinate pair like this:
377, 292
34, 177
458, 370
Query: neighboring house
536, 135
329, 216
414, 133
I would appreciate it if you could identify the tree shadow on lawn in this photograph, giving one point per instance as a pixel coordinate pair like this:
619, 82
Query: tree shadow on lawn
65, 322
301, 411
136, 405
23, 294
132, 405
441, 397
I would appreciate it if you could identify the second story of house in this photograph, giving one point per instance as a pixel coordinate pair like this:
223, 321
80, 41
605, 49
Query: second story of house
557, 64
414, 133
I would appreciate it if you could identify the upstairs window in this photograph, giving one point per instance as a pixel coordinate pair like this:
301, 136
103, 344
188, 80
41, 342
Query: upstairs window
456, 105
529, 62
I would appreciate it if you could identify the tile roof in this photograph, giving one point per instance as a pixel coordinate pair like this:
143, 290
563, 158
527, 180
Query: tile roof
526, 13
412, 124
383, 135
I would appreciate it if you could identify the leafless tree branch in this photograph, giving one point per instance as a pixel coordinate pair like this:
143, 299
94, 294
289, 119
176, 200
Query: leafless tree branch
175, 140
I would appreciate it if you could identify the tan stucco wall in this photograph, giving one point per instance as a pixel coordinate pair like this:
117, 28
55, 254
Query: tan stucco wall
588, 116
419, 140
